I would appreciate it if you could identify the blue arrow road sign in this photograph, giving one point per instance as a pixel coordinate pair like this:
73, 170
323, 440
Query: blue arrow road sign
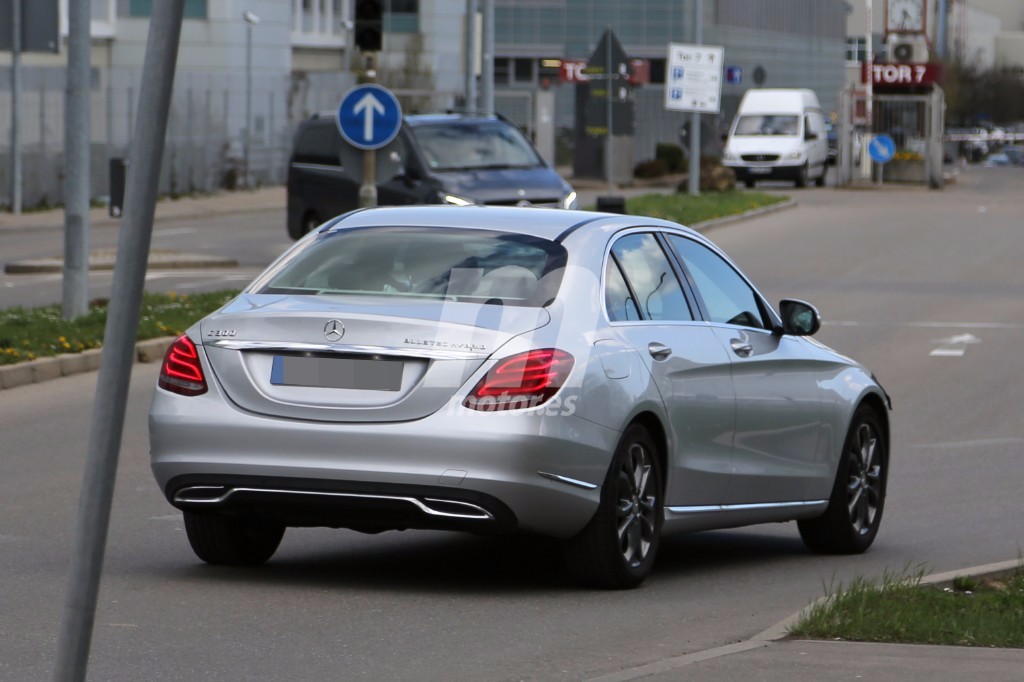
369, 116
882, 149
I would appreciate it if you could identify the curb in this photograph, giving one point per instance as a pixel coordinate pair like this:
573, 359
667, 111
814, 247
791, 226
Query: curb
105, 260
780, 630
706, 225
46, 369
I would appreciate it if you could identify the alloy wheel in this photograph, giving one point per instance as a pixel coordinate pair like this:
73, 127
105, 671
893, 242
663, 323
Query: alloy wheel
864, 488
636, 517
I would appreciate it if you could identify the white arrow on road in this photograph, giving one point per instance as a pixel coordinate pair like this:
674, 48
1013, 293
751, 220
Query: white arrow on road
367, 105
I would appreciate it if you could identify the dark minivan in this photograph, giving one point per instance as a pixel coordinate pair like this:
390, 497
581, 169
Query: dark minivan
441, 159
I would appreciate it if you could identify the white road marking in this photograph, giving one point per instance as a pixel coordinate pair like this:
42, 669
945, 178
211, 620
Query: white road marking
979, 443
959, 339
928, 325
948, 352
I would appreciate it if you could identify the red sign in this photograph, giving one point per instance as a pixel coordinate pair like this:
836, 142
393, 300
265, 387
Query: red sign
639, 71
885, 75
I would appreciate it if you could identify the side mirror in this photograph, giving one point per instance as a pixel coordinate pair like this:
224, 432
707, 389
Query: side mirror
810, 135
799, 318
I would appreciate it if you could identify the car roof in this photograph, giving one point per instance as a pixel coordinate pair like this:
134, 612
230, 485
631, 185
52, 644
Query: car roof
546, 223
433, 119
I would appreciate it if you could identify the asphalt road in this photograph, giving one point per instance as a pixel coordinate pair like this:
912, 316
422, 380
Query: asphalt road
253, 239
925, 287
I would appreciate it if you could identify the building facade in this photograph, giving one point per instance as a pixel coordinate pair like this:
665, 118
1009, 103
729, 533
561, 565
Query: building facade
302, 63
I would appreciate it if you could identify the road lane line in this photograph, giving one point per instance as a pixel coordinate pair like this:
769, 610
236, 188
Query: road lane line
948, 352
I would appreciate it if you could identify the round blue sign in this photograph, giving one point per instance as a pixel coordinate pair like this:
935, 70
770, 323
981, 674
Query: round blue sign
369, 116
882, 148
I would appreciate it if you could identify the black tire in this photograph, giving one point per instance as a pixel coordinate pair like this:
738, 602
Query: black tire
750, 183
231, 541
631, 499
801, 177
309, 222
850, 523
820, 180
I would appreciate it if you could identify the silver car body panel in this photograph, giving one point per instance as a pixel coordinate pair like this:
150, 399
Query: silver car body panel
747, 440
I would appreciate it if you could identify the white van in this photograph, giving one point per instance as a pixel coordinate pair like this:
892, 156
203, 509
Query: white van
778, 134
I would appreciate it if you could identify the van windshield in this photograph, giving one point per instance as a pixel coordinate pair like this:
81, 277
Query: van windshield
474, 146
768, 124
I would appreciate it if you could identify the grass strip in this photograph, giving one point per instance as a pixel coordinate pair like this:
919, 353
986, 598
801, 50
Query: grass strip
985, 613
687, 210
29, 333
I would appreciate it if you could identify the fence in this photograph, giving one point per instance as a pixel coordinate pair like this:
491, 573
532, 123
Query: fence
206, 131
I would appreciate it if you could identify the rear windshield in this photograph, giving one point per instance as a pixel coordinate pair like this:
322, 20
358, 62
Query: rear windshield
768, 124
469, 146
477, 266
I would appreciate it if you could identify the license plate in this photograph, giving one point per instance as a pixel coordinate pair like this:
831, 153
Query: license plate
759, 170
351, 373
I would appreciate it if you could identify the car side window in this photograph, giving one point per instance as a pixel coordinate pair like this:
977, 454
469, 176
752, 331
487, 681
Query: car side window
618, 300
646, 267
727, 296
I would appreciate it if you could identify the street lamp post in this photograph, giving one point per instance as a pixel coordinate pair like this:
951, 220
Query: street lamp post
250, 21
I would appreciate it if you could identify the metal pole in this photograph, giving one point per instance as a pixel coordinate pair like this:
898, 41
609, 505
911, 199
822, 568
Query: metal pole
119, 343
248, 101
368, 188
698, 37
77, 166
942, 28
608, 153
869, 63
487, 81
472, 8
15, 106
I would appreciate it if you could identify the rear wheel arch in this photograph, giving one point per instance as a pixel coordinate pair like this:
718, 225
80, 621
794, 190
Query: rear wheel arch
654, 428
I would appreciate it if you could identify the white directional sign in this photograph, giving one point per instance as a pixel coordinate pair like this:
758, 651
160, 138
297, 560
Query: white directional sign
693, 78
369, 116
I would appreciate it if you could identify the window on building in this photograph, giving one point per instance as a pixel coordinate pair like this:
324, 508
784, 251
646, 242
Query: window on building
502, 70
523, 69
404, 16
856, 49
194, 9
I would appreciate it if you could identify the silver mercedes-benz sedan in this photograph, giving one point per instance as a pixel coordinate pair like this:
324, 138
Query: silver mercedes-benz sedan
601, 379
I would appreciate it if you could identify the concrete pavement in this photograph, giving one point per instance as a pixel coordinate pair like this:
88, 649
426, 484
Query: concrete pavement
768, 656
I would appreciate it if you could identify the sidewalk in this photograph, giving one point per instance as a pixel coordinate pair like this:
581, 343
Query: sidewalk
221, 203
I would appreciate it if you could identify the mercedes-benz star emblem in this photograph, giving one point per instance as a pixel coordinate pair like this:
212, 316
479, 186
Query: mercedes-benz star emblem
334, 330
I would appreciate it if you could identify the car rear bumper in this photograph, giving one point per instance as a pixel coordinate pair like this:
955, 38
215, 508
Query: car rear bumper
455, 469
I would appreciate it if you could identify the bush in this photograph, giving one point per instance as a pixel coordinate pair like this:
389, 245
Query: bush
672, 155
651, 169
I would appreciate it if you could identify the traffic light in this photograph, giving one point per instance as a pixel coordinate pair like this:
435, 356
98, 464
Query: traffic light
369, 25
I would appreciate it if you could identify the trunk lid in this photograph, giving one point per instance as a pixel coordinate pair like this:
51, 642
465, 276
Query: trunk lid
322, 358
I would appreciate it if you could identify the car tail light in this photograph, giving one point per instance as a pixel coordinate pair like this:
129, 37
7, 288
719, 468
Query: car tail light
521, 381
181, 372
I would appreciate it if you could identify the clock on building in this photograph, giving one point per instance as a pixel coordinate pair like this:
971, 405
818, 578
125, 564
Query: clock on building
904, 16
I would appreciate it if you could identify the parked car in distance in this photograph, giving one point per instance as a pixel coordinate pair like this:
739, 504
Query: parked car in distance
997, 159
832, 137
1015, 153
596, 378
454, 159
778, 134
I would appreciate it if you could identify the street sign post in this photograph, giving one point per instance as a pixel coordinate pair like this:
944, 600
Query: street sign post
881, 149
368, 117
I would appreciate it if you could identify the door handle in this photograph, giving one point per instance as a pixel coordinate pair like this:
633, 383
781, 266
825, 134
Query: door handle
658, 351
741, 348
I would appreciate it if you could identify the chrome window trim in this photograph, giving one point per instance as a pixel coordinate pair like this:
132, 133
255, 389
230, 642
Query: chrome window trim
289, 346
570, 481
704, 509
